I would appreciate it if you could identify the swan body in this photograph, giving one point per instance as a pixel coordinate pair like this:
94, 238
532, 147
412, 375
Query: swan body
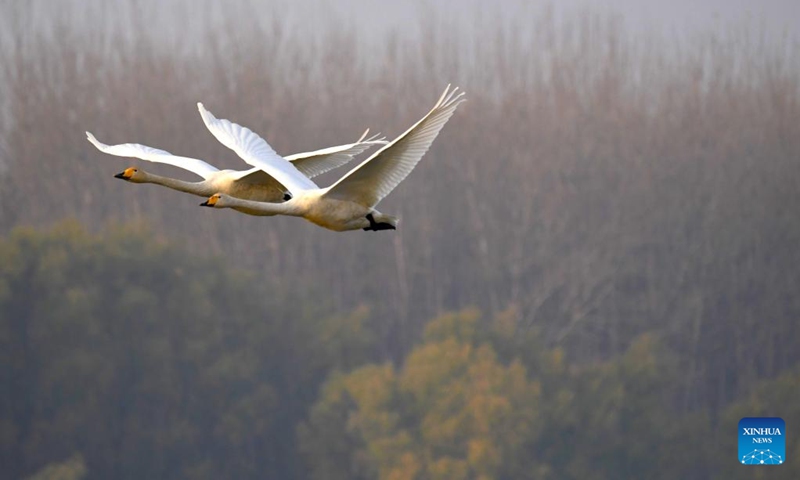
348, 204
252, 184
330, 213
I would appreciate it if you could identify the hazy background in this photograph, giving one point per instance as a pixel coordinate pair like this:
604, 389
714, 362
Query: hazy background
594, 275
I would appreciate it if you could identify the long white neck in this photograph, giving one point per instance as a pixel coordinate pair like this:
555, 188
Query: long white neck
195, 188
264, 209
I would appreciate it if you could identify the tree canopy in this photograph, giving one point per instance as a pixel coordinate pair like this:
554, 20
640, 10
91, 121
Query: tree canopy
153, 363
127, 357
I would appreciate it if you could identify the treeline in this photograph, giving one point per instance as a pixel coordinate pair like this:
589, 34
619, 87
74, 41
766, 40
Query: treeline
125, 357
601, 185
152, 363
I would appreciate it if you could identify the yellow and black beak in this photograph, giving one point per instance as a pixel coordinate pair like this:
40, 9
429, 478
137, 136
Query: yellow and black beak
212, 200
126, 174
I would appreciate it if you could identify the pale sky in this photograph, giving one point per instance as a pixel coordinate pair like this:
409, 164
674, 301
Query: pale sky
777, 15
372, 18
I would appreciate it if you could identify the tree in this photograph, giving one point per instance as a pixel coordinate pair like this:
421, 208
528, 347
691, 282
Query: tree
456, 409
153, 363
451, 411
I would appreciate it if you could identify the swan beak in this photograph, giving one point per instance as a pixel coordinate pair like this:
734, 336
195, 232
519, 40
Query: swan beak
126, 174
212, 200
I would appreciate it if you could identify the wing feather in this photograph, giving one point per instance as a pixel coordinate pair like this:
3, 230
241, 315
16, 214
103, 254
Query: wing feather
378, 175
318, 162
143, 152
255, 151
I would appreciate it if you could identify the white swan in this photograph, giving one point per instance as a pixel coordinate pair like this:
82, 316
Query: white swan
252, 184
348, 204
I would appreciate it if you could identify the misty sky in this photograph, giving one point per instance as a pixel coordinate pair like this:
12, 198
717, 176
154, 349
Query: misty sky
777, 15
371, 19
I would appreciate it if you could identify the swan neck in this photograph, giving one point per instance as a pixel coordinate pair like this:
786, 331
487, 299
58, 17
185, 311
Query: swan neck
266, 208
195, 188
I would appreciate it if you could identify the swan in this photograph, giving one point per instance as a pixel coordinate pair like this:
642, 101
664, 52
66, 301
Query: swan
252, 184
348, 204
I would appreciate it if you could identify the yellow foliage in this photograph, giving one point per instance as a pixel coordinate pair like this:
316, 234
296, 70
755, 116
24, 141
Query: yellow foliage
483, 456
371, 386
439, 429
430, 366
408, 468
487, 411
448, 468
73, 468
461, 326
452, 411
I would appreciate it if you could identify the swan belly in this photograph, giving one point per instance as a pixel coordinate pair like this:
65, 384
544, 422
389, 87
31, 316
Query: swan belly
338, 215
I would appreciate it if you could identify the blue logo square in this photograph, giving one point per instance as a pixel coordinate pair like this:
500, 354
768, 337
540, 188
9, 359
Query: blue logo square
762, 441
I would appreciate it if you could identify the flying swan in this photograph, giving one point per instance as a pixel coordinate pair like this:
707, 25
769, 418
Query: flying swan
252, 184
348, 204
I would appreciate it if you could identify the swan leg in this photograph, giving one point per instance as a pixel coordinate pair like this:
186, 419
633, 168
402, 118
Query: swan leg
375, 226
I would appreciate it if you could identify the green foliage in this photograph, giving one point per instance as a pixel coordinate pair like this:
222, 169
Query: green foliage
133, 359
153, 363
455, 410
614, 420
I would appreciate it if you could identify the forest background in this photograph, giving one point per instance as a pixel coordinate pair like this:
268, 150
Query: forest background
595, 275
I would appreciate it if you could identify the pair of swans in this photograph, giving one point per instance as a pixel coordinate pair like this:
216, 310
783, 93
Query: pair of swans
348, 204
252, 184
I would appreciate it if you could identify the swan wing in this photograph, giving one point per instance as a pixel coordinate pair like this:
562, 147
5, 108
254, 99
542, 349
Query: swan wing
378, 175
256, 176
318, 162
151, 154
255, 151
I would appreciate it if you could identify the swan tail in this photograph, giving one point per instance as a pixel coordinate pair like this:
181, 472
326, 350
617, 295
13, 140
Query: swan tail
388, 219
379, 221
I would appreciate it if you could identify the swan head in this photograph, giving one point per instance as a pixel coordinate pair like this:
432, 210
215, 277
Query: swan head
132, 174
215, 201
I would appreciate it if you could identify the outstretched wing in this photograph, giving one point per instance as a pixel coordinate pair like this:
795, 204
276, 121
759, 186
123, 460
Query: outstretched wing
151, 154
256, 176
256, 151
378, 175
318, 162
